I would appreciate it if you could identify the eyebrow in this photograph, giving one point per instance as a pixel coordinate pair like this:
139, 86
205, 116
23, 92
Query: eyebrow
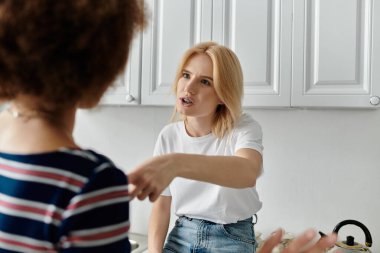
185, 70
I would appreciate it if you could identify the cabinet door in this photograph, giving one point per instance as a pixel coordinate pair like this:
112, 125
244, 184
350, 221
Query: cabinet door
126, 89
336, 53
174, 26
259, 32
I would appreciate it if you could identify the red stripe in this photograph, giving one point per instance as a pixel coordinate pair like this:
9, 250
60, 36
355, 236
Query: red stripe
106, 196
35, 210
42, 174
29, 246
99, 236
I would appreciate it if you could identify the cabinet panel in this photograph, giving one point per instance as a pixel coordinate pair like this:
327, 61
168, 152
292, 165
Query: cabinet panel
259, 32
174, 27
126, 88
375, 54
332, 53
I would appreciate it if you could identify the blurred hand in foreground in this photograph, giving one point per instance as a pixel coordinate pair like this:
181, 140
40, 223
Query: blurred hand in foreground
302, 243
150, 178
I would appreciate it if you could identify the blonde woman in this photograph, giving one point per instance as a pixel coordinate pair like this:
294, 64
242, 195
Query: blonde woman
215, 151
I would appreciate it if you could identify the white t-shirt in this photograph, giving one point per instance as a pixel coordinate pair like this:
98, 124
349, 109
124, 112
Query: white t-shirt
208, 201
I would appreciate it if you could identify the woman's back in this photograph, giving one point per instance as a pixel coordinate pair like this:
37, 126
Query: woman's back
56, 57
64, 200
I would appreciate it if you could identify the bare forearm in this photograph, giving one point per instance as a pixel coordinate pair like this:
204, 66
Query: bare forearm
158, 228
237, 171
156, 238
229, 171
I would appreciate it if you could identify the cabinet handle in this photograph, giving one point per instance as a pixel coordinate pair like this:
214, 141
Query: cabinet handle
374, 100
129, 98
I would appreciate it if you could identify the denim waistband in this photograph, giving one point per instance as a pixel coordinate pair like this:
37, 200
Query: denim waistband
250, 220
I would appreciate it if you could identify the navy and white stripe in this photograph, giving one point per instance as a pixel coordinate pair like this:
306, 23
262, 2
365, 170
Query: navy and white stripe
65, 201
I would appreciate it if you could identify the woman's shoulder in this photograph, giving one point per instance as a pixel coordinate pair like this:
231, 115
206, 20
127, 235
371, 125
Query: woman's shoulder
246, 121
172, 128
100, 166
90, 161
86, 155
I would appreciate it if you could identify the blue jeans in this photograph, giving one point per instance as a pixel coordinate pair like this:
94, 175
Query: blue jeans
201, 236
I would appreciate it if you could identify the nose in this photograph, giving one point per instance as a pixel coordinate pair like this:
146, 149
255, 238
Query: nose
190, 86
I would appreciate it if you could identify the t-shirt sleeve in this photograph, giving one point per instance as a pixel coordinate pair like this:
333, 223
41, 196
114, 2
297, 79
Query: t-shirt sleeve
250, 135
97, 219
159, 147
166, 192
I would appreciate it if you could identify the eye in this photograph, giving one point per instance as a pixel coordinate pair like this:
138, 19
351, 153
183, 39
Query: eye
205, 82
185, 75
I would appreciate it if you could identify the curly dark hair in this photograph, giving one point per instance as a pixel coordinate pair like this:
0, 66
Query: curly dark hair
63, 51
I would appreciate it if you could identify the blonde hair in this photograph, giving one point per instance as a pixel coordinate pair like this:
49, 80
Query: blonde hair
228, 84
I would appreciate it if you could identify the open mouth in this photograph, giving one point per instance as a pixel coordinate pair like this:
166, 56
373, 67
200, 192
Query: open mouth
186, 101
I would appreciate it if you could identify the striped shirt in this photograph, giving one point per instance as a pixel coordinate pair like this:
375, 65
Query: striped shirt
70, 201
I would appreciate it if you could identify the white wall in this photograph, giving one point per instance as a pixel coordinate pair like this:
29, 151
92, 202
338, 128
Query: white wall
321, 166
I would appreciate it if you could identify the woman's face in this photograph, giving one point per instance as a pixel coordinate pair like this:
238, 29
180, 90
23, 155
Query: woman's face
196, 96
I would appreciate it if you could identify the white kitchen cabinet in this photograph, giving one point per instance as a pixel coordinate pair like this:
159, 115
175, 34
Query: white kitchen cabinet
294, 53
260, 33
174, 27
304, 53
126, 88
336, 53
261, 48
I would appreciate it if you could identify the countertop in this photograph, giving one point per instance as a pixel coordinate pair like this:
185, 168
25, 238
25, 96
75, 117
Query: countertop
142, 241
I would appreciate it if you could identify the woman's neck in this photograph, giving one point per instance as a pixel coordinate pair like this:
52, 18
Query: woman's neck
25, 128
196, 127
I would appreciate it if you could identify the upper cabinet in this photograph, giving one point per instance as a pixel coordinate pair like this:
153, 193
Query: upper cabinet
250, 28
126, 88
260, 33
336, 53
294, 53
174, 26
